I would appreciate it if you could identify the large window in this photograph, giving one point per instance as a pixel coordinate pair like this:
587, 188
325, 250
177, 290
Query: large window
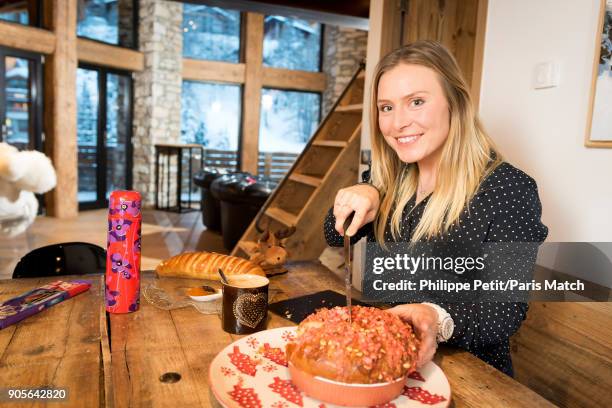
109, 21
20, 99
212, 112
210, 115
87, 131
292, 43
288, 120
24, 12
211, 33
103, 134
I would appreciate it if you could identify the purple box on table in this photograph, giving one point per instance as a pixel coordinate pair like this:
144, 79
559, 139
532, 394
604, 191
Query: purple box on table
39, 299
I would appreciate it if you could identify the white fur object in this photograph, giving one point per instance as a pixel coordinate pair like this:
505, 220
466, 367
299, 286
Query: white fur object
22, 174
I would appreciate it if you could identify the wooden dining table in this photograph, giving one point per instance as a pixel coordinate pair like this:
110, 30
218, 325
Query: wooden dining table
160, 358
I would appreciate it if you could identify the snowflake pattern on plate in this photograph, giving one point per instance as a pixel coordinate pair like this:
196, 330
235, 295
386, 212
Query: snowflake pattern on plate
252, 342
227, 372
268, 368
288, 336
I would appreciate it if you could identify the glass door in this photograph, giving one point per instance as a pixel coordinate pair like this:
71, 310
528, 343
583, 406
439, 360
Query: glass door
21, 99
104, 126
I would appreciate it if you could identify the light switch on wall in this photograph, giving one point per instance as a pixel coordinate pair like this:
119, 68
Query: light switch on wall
546, 75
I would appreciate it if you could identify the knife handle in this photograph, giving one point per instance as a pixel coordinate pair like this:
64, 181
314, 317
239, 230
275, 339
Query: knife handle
347, 222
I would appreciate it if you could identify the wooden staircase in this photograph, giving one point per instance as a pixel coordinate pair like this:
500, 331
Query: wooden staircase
329, 162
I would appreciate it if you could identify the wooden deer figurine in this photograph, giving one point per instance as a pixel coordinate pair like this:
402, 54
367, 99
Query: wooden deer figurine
269, 251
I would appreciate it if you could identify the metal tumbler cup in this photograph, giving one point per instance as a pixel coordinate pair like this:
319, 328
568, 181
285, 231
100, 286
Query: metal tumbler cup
123, 252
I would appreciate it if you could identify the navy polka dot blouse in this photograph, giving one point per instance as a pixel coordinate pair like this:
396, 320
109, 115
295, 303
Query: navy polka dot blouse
506, 208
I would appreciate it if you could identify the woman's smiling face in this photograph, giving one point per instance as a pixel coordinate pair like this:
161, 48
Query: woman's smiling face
413, 113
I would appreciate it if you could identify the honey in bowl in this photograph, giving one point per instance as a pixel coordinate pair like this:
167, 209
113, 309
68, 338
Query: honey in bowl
201, 291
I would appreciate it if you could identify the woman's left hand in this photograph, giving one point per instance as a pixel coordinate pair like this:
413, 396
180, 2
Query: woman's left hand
424, 320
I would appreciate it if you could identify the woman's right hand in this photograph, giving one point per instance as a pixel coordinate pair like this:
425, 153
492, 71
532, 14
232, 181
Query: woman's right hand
363, 200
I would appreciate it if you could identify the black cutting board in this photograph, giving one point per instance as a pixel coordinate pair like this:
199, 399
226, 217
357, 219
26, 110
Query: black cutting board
297, 309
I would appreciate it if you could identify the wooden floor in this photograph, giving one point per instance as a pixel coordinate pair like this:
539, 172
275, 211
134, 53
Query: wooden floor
163, 234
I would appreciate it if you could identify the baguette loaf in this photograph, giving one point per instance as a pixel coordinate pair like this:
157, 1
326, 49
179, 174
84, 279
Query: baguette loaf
205, 265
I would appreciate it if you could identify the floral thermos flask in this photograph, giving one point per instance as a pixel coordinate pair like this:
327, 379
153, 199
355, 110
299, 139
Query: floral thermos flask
123, 252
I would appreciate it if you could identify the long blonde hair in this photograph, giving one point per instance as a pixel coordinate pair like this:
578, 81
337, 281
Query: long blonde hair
465, 155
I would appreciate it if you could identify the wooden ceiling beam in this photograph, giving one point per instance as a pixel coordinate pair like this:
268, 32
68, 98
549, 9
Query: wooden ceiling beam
95, 52
26, 38
213, 71
290, 79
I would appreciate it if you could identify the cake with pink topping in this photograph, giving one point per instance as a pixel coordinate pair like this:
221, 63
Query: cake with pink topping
376, 347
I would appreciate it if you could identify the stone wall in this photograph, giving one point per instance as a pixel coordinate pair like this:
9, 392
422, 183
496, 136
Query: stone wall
343, 50
157, 89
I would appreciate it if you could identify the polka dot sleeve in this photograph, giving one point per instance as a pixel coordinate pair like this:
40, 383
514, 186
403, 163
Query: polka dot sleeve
332, 236
485, 328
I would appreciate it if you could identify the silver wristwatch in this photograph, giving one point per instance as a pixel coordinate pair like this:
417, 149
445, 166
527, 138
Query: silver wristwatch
446, 325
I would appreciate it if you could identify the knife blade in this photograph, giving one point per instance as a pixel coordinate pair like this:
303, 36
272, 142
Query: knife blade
348, 270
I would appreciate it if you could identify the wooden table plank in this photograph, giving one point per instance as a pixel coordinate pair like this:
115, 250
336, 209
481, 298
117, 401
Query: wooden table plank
477, 384
151, 342
145, 346
59, 347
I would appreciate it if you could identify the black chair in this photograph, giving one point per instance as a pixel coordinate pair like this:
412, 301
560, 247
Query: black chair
67, 258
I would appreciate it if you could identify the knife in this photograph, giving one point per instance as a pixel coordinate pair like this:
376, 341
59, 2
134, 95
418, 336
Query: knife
348, 270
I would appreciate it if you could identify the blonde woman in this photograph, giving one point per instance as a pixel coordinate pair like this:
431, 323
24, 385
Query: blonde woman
436, 176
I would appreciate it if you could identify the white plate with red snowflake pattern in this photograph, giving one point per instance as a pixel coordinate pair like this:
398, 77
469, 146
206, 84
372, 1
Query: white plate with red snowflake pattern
252, 372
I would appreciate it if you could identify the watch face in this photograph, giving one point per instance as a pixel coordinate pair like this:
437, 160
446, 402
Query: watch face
447, 328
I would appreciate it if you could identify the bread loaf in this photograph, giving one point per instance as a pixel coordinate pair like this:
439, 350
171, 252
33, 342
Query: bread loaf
205, 265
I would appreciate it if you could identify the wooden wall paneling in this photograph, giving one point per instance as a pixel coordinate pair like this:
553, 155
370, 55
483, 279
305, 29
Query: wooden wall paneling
60, 107
26, 38
291, 79
466, 18
215, 71
253, 54
106, 55
384, 35
479, 44
459, 25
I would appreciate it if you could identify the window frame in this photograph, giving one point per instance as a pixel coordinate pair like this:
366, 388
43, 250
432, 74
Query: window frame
275, 78
240, 36
320, 94
240, 90
321, 44
135, 23
101, 157
35, 87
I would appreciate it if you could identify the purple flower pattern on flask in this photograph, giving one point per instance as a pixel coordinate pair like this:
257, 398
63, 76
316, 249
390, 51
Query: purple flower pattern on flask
130, 207
117, 230
136, 302
137, 244
110, 297
121, 266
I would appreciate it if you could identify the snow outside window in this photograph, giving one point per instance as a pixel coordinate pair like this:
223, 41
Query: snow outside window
211, 33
